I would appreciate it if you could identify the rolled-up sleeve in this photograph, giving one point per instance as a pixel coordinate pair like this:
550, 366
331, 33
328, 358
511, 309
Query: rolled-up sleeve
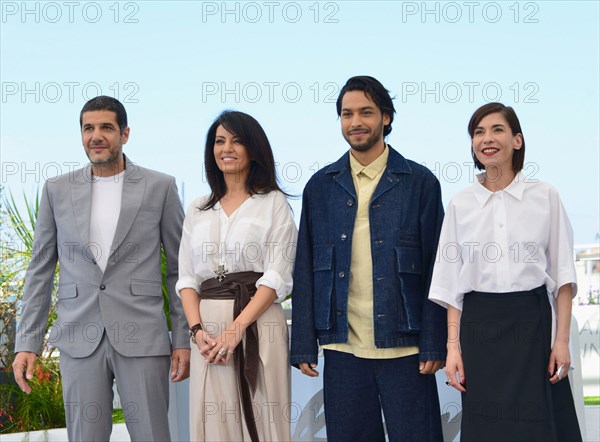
280, 249
187, 276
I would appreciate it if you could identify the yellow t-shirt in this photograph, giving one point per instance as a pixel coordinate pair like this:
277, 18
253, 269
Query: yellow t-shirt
361, 330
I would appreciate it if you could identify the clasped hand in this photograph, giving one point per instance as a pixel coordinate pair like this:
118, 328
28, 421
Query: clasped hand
218, 350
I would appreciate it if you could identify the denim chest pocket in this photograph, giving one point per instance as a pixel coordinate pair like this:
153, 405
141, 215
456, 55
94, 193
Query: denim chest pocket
323, 265
410, 273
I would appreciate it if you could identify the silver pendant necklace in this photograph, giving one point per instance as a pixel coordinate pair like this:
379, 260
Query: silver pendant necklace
221, 271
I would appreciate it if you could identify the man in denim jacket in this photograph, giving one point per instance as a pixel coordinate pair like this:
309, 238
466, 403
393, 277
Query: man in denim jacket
366, 248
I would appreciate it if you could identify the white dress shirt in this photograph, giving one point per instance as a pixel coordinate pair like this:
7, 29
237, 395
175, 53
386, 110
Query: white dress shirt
260, 236
512, 240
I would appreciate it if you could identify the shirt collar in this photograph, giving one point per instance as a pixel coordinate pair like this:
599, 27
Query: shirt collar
373, 169
515, 189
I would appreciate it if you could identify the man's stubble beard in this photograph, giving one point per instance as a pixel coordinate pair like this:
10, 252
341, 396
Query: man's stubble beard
369, 143
111, 162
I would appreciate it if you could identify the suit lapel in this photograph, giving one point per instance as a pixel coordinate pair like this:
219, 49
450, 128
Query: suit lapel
81, 197
134, 186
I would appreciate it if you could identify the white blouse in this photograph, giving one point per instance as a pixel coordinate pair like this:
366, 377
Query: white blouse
260, 236
515, 239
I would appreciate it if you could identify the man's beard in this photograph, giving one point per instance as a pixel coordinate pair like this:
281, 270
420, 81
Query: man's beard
107, 162
366, 145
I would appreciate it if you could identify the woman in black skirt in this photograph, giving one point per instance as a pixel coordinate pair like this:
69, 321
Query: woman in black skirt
506, 274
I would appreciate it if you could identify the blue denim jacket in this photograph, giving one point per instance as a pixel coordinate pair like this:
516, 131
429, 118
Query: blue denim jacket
405, 218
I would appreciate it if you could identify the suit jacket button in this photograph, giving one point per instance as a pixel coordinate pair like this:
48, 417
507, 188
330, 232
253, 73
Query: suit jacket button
102, 287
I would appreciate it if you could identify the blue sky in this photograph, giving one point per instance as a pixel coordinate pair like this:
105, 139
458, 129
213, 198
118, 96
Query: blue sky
177, 65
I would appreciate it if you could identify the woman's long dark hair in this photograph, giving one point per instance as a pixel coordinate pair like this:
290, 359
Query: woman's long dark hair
261, 176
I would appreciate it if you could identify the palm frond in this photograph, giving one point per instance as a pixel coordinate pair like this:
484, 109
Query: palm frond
21, 226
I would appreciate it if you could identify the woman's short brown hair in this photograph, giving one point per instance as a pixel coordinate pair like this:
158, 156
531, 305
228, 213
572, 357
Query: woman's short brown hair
509, 114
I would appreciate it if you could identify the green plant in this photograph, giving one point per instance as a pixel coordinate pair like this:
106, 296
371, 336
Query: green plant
165, 291
118, 416
17, 247
43, 408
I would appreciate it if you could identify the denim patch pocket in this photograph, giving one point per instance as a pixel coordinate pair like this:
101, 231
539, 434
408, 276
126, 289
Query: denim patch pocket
410, 271
323, 286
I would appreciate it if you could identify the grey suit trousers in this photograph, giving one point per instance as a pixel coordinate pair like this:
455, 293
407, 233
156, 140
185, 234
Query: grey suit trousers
143, 385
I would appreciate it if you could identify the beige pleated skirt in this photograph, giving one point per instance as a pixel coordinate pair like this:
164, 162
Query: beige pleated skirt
215, 398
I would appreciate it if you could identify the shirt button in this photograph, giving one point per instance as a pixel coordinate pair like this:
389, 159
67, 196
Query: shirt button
349, 203
340, 311
500, 225
343, 237
341, 274
102, 287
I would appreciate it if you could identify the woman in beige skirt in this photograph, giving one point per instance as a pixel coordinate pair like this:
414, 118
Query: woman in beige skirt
235, 267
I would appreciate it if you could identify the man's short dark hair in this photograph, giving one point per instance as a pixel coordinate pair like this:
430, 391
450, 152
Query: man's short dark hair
375, 91
510, 115
103, 102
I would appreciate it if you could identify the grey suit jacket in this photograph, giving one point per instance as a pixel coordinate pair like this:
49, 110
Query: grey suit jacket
125, 301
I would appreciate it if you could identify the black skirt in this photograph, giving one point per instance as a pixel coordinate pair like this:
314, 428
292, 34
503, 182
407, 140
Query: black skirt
505, 343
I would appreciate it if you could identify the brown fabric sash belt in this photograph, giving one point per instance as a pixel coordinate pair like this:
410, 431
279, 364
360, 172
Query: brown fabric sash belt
240, 287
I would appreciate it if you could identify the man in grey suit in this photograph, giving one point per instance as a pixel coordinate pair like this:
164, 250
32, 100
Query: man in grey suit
105, 225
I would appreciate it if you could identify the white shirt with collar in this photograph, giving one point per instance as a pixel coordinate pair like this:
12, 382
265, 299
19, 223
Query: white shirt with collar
511, 240
260, 236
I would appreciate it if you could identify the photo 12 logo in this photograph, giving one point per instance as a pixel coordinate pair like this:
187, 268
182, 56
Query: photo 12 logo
269, 92
469, 91
71, 91
70, 12
454, 172
36, 171
470, 12
270, 12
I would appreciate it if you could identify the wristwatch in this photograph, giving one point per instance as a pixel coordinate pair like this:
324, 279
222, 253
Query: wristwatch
194, 329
